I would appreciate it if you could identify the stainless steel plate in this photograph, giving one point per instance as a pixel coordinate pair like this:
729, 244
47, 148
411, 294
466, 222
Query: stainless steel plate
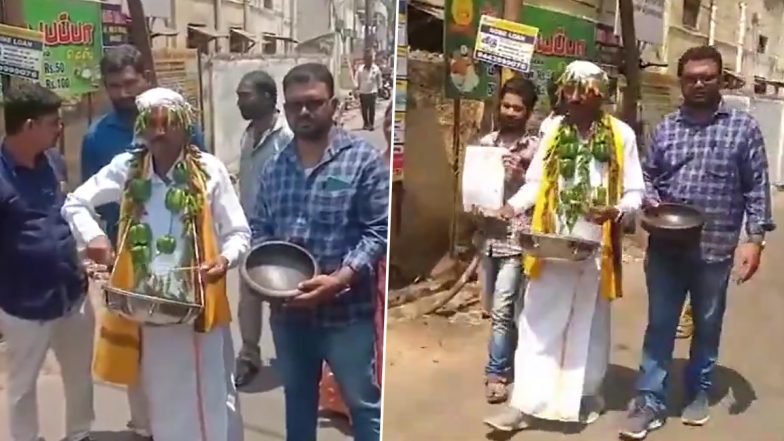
554, 247
148, 310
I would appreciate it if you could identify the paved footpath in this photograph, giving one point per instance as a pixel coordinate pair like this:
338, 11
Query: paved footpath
262, 402
434, 369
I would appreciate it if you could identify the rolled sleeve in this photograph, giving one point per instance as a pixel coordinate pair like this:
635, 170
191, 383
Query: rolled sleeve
233, 227
755, 184
373, 215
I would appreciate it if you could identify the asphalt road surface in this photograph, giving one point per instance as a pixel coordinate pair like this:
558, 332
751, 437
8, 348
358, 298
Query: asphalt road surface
435, 369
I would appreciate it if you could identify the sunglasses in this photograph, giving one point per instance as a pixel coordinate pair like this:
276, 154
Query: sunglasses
312, 105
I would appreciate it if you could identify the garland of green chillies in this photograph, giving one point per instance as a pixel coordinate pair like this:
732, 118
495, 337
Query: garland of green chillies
183, 199
573, 160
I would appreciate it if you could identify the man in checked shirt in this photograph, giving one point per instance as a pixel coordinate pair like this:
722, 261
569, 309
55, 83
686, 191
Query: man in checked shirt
502, 264
713, 157
327, 191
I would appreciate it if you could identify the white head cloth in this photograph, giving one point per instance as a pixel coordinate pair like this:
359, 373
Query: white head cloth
161, 97
583, 70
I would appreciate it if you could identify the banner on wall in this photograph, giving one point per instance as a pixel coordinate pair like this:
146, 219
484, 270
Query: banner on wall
466, 77
562, 39
72, 31
178, 69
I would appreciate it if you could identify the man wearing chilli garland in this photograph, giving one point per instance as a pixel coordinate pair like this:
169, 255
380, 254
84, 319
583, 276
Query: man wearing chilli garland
181, 229
584, 178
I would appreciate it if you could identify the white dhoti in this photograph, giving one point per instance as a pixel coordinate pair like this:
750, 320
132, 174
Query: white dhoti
564, 340
184, 376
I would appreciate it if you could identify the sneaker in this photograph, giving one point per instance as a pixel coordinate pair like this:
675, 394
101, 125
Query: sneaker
697, 413
640, 420
508, 420
591, 408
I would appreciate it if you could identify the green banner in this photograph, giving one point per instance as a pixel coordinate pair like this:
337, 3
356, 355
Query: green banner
73, 37
466, 77
562, 39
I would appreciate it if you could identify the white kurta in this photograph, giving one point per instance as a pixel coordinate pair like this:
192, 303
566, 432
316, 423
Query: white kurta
185, 378
564, 329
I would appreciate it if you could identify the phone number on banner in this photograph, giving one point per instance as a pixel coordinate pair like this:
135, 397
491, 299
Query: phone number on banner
501, 61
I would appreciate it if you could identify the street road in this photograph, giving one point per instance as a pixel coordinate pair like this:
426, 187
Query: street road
262, 402
435, 369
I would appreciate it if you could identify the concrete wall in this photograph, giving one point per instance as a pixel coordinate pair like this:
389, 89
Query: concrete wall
429, 192
220, 77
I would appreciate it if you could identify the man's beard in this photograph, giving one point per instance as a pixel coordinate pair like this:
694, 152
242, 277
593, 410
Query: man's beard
312, 133
508, 124
252, 113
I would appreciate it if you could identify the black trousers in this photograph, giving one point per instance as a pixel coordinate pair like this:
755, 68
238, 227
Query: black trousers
367, 102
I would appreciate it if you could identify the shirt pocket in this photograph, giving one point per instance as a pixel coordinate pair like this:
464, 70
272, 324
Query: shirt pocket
332, 207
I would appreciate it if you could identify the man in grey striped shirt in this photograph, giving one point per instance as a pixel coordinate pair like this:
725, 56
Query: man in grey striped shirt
502, 265
267, 134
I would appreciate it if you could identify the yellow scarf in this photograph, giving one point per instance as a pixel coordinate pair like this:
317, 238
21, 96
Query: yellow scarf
118, 349
544, 209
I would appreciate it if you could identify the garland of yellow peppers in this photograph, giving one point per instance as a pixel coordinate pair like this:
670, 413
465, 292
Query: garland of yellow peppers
571, 160
183, 199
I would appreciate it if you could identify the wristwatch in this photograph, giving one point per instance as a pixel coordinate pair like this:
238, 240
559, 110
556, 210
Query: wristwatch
757, 239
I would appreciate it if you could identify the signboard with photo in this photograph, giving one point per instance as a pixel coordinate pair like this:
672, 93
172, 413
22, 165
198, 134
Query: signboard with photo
466, 77
505, 43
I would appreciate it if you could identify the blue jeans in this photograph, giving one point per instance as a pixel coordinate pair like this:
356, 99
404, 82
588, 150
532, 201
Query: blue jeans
503, 280
350, 352
670, 274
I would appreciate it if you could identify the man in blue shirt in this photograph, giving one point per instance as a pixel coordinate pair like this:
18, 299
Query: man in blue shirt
42, 282
327, 191
125, 78
710, 156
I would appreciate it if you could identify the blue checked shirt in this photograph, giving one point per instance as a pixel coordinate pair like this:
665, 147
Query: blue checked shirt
720, 167
338, 211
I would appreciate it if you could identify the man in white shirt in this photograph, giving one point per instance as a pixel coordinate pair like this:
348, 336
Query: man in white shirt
266, 134
179, 215
368, 81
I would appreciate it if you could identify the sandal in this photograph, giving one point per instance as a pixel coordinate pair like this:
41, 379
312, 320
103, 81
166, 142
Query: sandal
495, 390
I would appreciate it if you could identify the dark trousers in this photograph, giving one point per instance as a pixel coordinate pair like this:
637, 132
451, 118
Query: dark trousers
367, 102
670, 274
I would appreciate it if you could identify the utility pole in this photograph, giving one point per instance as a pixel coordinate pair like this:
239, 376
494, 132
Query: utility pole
631, 62
368, 23
511, 12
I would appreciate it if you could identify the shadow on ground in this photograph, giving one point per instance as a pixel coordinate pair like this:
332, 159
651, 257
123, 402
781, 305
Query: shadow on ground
124, 435
335, 421
619, 390
267, 379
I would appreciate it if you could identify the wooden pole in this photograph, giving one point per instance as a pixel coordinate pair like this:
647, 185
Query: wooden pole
511, 12
140, 34
631, 63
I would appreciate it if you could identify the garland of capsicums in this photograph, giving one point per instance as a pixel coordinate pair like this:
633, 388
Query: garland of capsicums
571, 160
183, 199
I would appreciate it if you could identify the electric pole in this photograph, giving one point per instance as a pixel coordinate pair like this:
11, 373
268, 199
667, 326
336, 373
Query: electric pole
631, 63
368, 23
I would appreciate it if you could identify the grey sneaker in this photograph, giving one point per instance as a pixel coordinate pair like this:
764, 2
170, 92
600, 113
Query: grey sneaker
508, 420
591, 408
697, 412
640, 420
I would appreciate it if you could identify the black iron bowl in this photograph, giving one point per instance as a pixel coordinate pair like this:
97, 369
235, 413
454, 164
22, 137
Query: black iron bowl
273, 270
673, 222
